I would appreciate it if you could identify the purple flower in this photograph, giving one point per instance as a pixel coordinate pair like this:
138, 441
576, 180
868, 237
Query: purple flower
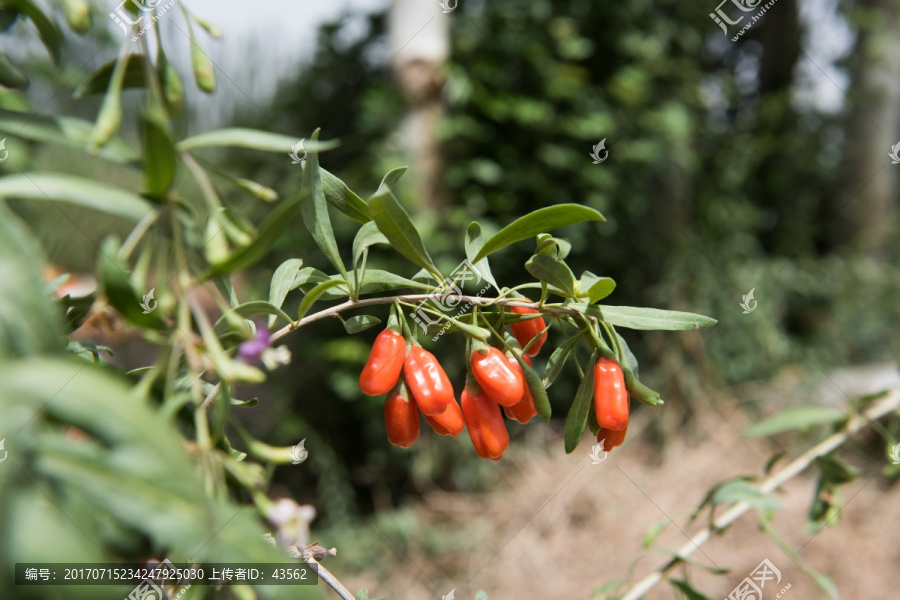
250, 351
259, 348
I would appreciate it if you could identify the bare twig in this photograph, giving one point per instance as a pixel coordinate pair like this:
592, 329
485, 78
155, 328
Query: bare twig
880, 408
308, 555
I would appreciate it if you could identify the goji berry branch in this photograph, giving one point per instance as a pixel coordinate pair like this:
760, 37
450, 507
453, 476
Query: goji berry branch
880, 408
479, 300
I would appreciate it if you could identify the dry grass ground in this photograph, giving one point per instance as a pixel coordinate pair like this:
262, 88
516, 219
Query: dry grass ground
555, 526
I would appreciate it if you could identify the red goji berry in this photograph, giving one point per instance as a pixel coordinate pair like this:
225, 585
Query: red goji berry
427, 381
610, 438
610, 396
450, 422
525, 331
401, 418
485, 424
385, 363
523, 410
503, 384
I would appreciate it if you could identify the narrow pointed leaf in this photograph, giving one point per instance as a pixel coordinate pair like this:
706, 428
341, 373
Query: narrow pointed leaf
474, 244
75, 190
359, 323
315, 211
801, 417
634, 317
552, 271
539, 221
576, 421
283, 282
367, 235
316, 293
558, 360
343, 198
394, 222
253, 139
267, 234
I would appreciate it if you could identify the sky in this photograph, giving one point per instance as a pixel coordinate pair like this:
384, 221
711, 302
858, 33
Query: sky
274, 34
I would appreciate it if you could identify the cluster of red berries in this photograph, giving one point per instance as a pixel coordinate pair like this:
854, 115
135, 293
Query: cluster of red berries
497, 381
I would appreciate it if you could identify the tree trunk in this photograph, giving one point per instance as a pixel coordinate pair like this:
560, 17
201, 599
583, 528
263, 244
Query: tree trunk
419, 45
865, 211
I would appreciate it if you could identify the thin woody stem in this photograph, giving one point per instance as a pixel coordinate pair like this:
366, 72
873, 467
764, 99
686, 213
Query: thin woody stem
479, 300
885, 405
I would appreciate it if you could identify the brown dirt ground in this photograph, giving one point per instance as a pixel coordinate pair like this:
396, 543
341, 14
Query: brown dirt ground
557, 526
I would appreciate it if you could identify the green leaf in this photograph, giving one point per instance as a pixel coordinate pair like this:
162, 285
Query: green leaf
394, 222
684, 586
553, 271
75, 190
801, 417
595, 288
558, 360
547, 244
630, 360
359, 323
823, 581
252, 309
98, 81
47, 30
282, 283
576, 421
120, 292
655, 531
159, 158
537, 389
266, 236
310, 298
541, 220
481, 595
29, 321
375, 281
634, 317
834, 470
392, 177
314, 209
342, 198
308, 278
367, 235
743, 491
132, 473
253, 139
7, 18
474, 244
69, 132
10, 75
